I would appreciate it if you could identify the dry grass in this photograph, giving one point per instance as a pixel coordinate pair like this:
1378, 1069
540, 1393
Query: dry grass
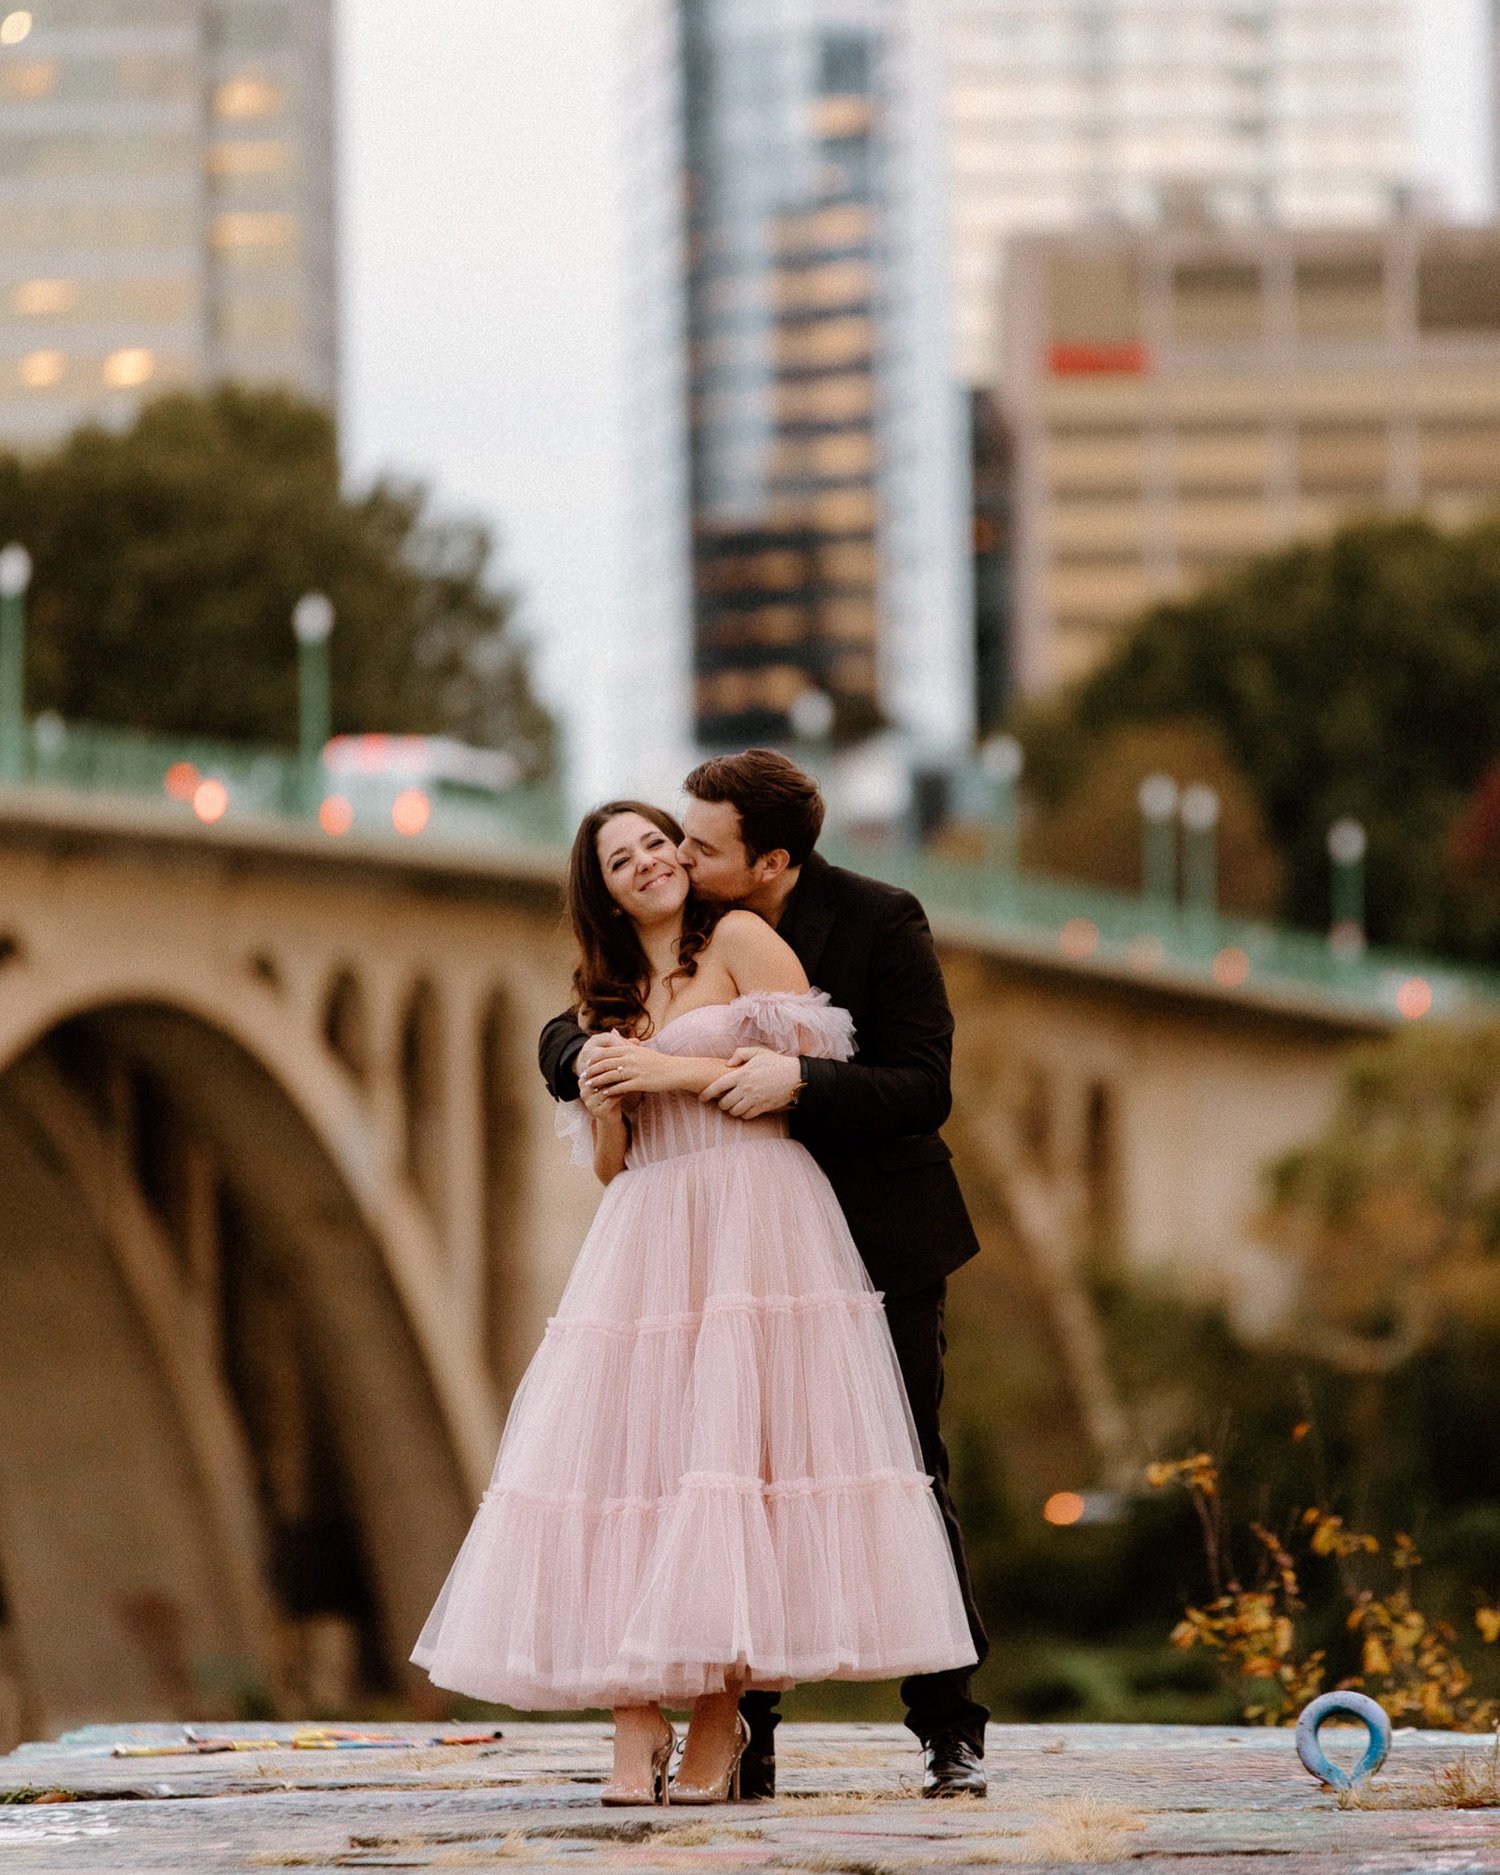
684, 1835
482, 1858
476, 1851
1468, 1783
1471, 1782
836, 1862
986, 1852
840, 1803
1080, 1829
518, 1847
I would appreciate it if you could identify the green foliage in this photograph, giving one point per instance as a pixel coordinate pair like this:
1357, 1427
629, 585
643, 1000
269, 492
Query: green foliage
1390, 1220
1357, 676
168, 559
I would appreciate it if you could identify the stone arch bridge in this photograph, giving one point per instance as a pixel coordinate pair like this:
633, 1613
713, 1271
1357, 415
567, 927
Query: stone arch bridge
282, 1213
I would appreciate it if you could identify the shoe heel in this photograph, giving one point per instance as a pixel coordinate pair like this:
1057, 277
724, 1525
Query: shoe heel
661, 1764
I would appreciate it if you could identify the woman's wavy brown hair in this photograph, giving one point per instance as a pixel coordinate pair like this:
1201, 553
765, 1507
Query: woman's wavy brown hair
610, 982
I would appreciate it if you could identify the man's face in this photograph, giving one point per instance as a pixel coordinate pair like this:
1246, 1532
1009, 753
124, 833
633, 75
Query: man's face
713, 852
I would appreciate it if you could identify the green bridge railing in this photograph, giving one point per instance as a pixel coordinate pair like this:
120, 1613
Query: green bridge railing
1090, 927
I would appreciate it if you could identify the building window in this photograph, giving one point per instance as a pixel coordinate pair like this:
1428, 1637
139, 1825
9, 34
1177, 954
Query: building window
163, 301
78, 154
82, 79
248, 97
40, 371
845, 64
28, 78
85, 13
263, 157
127, 370
40, 299
254, 232
1093, 301
246, 27
1458, 290
1461, 456
1342, 459
259, 319
115, 224
1340, 299
1216, 302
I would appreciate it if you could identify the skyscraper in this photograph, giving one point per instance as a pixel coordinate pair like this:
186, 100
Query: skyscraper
166, 204
1291, 112
825, 446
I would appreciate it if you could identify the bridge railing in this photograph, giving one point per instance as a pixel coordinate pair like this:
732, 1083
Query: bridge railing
212, 780
1149, 938
1087, 926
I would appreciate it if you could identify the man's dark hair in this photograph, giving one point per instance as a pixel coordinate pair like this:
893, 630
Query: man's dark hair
778, 805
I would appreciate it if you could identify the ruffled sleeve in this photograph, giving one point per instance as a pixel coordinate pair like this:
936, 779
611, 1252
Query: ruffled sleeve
572, 1122
805, 1024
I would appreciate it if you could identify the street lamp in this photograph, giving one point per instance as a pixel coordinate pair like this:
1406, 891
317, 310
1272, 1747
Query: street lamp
1157, 796
811, 715
1002, 758
15, 577
1347, 845
312, 622
1200, 857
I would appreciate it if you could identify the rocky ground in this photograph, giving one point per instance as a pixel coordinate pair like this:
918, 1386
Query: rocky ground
1190, 1800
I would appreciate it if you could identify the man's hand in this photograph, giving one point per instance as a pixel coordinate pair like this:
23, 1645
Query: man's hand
757, 1081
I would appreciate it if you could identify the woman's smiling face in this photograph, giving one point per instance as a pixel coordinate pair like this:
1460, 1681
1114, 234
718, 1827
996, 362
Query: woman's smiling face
641, 870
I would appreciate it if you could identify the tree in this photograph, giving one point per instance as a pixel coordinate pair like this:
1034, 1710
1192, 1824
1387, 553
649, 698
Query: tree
1360, 675
1390, 1220
168, 559
1474, 862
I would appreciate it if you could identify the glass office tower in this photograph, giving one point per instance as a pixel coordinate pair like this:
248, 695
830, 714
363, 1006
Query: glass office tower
824, 437
166, 204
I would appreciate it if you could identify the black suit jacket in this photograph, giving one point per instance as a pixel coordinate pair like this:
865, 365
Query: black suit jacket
871, 1123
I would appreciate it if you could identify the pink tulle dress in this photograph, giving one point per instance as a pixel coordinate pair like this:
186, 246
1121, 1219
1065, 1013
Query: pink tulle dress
709, 1468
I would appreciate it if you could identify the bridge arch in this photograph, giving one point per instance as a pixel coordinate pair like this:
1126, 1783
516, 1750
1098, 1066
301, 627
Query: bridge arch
209, 1534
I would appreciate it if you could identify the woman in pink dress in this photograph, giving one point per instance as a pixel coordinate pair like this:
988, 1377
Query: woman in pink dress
709, 1479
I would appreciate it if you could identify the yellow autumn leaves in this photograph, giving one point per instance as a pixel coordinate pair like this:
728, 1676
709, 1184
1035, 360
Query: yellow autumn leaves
1408, 1660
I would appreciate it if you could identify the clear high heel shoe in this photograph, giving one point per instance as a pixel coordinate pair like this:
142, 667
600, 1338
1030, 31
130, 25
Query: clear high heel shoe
619, 1795
726, 1786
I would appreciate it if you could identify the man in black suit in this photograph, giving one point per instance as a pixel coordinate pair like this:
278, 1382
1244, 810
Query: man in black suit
750, 826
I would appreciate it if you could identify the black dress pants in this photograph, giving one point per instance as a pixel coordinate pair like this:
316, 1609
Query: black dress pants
935, 1702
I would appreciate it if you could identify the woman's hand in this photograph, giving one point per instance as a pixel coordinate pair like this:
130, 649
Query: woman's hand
599, 1105
619, 1067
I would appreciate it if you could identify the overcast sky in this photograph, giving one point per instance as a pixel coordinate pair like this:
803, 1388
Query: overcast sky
474, 180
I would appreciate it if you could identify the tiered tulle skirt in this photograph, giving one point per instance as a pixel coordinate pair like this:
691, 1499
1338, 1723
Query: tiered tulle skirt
709, 1468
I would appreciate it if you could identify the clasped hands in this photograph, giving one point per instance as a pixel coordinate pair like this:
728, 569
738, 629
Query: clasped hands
613, 1069
755, 1081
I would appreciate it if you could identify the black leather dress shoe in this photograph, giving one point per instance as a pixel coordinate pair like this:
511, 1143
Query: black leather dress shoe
757, 1772
954, 1767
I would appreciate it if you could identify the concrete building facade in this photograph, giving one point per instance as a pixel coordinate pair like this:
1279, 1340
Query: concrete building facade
1182, 400
166, 205
1137, 111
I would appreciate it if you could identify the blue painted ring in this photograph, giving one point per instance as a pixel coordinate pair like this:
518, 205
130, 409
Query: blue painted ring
1351, 1706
